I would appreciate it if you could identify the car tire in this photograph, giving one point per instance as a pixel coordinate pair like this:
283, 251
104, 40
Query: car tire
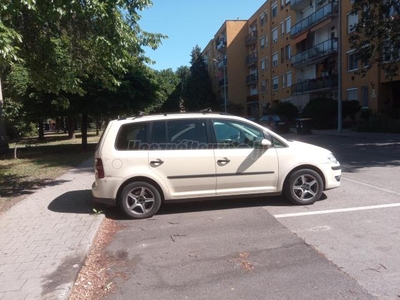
303, 187
139, 200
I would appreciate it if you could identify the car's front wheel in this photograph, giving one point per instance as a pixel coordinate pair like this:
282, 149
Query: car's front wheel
139, 200
303, 187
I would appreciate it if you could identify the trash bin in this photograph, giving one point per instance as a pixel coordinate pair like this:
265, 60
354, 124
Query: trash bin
303, 125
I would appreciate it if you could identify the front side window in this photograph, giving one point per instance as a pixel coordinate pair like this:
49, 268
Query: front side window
235, 134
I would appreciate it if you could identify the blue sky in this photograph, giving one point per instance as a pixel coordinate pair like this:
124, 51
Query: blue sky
188, 23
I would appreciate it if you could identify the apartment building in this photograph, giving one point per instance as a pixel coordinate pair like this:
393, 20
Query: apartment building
289, 50
225, 55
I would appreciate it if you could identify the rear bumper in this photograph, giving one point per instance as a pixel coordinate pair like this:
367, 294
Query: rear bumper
103, 192
106, 201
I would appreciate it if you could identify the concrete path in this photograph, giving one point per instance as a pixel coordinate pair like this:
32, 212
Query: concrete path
45, 238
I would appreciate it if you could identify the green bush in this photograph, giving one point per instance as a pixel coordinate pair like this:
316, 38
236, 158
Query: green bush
380, 123
287, 109
323, 111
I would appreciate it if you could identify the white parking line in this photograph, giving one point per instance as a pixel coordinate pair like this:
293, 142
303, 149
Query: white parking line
372, 186
332, 211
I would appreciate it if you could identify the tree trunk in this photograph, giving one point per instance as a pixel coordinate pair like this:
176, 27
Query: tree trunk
97, 127
84, 124
41, 130
71, 128
3, 139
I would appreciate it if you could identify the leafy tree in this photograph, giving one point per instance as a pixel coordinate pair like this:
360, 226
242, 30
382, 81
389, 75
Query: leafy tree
376, 36
175, 97
198, 88
287, 109
323, 111
63, 44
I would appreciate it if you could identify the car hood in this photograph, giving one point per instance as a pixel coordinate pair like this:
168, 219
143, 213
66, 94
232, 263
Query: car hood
301, 146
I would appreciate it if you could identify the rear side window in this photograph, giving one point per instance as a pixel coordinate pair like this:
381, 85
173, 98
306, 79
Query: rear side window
179, 134
132, 136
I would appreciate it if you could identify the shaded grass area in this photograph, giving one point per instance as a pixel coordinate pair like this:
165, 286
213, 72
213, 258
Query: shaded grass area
39, 163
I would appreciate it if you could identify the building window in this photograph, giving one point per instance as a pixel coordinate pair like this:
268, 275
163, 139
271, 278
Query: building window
263, 64
288, 24
364, 97
283, 28
352, 94
282, 55
283, 79
289, 79
288, 53
352, 20
275, 83
266, 41
262, 42
263, 86
352, 61
274, 9
275, 59
266, 63
274, 35
262, 19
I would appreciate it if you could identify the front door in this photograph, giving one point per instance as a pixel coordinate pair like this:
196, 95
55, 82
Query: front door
242, 165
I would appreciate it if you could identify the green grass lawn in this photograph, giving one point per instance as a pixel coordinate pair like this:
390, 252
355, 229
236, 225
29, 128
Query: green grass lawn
38, 163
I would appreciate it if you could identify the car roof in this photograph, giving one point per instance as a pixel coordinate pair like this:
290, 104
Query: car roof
185, 115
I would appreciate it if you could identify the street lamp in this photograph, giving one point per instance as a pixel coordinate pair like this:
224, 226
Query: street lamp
224, 74
340, 69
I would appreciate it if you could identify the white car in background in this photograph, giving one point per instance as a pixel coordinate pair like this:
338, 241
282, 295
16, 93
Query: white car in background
143, 161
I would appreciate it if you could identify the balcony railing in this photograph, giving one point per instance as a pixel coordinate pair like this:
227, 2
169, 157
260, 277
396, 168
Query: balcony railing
316, 52
251, 59
250, 79
221, 45
251, 38
315, 84
320, 15
222, 63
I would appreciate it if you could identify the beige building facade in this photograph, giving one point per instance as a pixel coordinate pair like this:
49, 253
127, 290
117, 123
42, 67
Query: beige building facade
293, 50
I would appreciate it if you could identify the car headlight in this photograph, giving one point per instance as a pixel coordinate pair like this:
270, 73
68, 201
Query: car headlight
332, 159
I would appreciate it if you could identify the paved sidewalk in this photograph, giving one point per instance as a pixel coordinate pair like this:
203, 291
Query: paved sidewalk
45, 238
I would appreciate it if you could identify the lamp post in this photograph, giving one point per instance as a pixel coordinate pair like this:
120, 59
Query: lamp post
224, 74
340, 70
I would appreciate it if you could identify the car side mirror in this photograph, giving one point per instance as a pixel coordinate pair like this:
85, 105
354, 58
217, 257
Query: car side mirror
266, 143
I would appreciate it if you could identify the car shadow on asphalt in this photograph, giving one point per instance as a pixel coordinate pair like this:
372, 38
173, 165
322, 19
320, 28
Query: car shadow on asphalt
80, 202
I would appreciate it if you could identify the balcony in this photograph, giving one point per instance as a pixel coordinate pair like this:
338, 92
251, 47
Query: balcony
251, 38
299, 4
315, 53
221, 45
223, 81
222, 63
251, 79
322, 83
251, 59
320, 15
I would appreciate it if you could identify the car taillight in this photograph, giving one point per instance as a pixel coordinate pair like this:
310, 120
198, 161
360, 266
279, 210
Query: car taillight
99, 168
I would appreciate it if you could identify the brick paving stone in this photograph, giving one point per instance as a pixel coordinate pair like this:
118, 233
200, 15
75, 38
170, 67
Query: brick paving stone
15, 295
47, 234
12, 285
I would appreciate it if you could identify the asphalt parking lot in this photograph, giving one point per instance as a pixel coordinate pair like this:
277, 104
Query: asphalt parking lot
345, 246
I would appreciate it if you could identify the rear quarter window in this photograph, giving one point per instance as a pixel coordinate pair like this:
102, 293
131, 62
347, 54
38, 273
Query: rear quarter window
132, 136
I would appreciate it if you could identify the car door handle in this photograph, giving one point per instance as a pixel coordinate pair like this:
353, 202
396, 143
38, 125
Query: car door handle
157, 162
223, 161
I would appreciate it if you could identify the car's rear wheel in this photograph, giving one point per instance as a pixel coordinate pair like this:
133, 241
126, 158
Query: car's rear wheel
304, 187
139, 200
